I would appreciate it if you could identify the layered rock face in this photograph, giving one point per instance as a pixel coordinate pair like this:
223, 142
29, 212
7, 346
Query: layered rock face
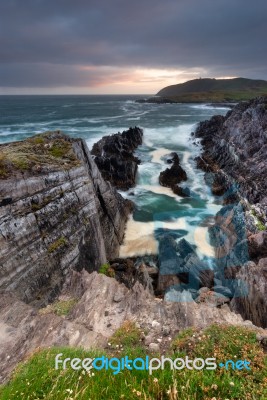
56, 213
235, 160
115, 159
237, 145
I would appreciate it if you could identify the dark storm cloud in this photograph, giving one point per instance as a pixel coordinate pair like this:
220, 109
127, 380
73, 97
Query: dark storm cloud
45, 43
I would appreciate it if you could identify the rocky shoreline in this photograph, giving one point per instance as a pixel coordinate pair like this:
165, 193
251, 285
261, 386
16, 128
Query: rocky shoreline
234, 150
62, 220
165, 100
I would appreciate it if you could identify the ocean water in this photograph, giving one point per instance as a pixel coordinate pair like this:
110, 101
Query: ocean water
167, 128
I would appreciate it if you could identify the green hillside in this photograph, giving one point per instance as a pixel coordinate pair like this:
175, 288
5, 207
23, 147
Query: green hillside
214, 90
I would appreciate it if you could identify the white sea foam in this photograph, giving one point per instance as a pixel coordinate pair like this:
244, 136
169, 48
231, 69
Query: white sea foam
209, 107
160, 190
139, 236
139, 239
158, 154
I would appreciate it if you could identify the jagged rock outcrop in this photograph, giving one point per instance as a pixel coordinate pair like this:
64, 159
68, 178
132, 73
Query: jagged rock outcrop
102, 306
237, 145
174, 175
234, 158
115, 159
56, 213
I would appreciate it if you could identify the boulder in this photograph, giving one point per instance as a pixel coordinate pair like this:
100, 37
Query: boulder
258, 245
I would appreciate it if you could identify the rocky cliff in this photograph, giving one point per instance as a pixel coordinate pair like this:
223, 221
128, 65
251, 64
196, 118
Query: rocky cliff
56, 213
234, 156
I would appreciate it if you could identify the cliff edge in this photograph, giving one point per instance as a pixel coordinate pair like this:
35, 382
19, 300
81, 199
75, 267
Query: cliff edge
56, 213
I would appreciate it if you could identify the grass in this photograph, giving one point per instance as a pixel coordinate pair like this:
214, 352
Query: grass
106, 269
128, 335
60, 307
257, 220
57, 244
47, 149
215, 90
37, 378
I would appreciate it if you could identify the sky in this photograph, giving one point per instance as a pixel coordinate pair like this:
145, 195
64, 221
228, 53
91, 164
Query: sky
127, 46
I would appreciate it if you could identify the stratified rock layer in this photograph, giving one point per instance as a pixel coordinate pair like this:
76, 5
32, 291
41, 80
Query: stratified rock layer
115, 159
56, 213
237, 144
235, 161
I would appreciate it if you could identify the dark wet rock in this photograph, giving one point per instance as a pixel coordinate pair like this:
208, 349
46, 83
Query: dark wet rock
171, 158
228, 236
179, 263
169, 263
174, 233
173, 175
183, 192
136, 269
114, 156
156, 100
237, 145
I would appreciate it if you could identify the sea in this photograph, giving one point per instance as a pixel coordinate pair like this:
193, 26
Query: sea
167, 128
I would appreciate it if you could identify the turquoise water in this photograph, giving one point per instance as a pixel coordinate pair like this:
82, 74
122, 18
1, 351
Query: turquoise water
167, 127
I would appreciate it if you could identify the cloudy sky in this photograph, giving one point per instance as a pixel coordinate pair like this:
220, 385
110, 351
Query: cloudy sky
127, 46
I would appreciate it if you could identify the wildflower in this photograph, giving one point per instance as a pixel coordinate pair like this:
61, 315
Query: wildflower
231, 384
214, 386
69, 391
138, 394
155, 380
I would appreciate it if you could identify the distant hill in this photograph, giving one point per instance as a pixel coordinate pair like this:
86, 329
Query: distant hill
214, 90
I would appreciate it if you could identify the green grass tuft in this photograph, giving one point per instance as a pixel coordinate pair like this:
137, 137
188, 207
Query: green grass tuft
57, 244
106, 269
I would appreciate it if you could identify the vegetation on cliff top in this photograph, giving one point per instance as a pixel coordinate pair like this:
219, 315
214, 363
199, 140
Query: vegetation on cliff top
37, 378
214, 90
50, 149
